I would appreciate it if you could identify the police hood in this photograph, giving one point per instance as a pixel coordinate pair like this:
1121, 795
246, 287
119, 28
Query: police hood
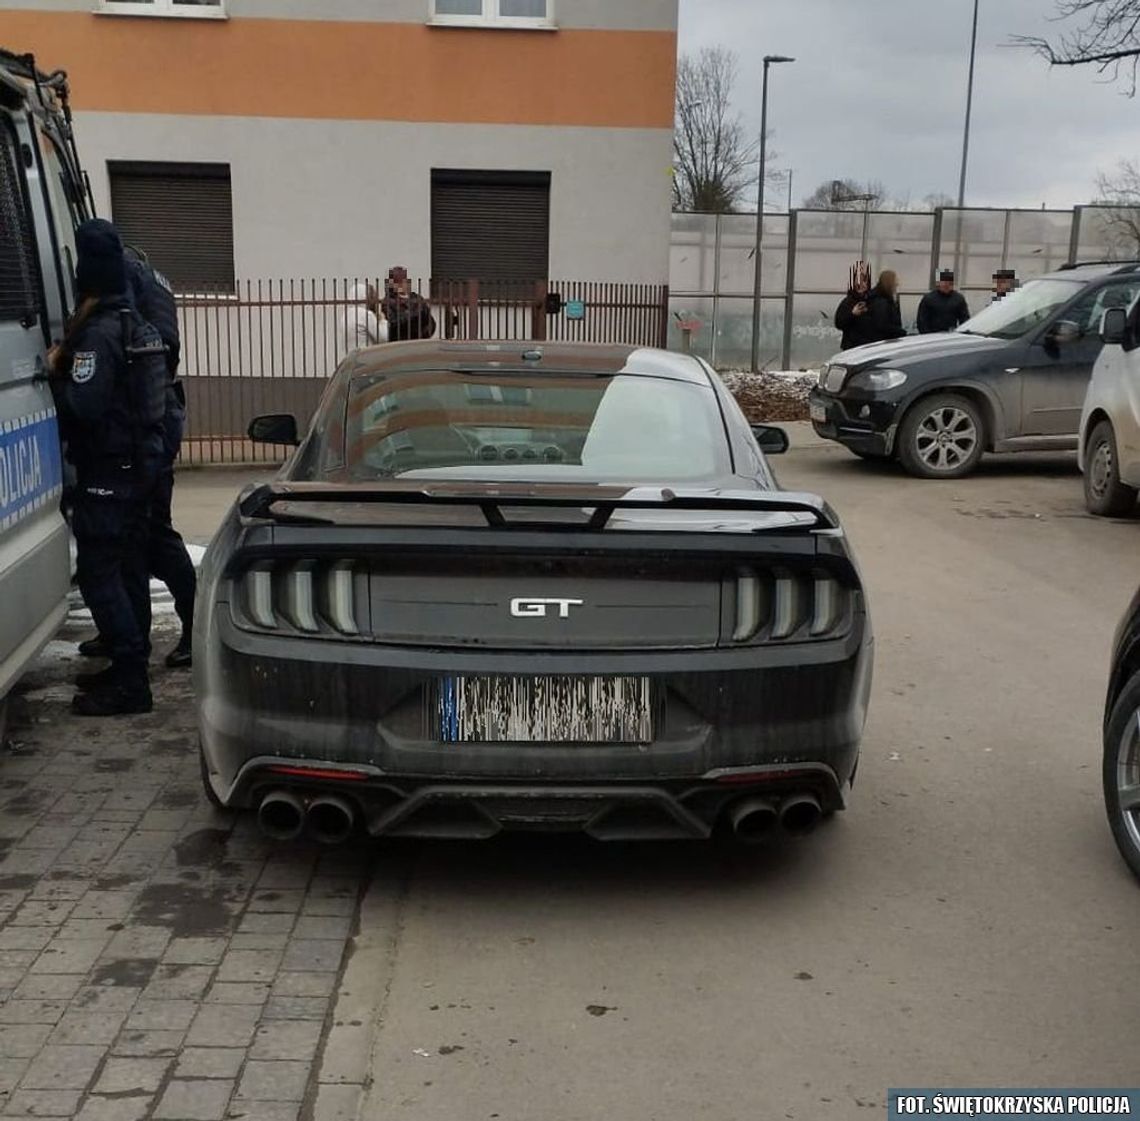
904, 354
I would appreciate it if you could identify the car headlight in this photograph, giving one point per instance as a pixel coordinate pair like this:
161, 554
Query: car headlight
877, 381
831, 377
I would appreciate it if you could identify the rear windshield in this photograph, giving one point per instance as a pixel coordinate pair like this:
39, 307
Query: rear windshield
541, 427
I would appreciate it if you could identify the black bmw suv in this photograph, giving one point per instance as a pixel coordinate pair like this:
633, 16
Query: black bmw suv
1012, 378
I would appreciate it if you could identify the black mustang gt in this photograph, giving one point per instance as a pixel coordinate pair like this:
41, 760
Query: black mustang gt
507, 588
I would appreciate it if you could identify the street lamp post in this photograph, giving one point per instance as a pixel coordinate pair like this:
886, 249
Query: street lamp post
969, 111
769, 60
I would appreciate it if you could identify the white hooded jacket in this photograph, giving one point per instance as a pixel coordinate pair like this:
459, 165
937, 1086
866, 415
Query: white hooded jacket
359, 326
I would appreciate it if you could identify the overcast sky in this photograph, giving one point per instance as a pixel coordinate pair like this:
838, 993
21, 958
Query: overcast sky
879, 92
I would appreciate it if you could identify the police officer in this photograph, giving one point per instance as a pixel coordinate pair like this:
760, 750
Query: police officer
168, 559
109, 379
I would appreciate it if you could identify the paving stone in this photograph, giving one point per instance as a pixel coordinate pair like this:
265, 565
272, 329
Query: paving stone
313, 926
33, 862
44, 1103
238, 992
24, 938
194, 951
310, 956
88, 1027
163, 821
210, 1062
134, 1043
264, 1111
139, 942
259, 942
114, 905
68, 957
296, 1008
17, 960
169, 1015
83, 929
253, 922
42, 912
124, 972
22, 1041
287, 1040
179, 982
304, 984
107, 998
286, 875
32, 1011
49, 837
48, 986
11, 1071
195, 1100
131, 1108
9, 979
249, 965
63, 1068
121, 1076
337, 1103
224, 1025
274, 1081
277, 902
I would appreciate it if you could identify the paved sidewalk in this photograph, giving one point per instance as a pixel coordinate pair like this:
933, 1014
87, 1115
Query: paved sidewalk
158, 959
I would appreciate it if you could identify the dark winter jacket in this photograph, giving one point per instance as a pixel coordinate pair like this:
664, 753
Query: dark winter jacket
941, 311
857, 329
153, 297
884, 315
409, 317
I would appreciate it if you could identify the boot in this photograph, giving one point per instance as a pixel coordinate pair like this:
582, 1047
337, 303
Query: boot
126, 693
96, 647
181, 657
93, 682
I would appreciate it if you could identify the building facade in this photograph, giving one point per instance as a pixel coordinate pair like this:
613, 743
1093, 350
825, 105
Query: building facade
463, 139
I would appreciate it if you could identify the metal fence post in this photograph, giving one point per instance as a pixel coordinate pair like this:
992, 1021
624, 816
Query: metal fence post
716, 289
935, 246
1075, 234
663, 319
790, 289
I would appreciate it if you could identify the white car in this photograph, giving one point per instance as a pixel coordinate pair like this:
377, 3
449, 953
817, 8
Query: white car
1110, 420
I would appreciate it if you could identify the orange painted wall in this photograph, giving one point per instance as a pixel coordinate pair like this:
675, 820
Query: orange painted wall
355, 71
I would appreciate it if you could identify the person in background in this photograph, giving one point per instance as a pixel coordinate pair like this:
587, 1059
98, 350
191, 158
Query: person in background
943, 308
1005, 281
883, 310
408, 313
168, 559
364, 324
851, 316
109, 379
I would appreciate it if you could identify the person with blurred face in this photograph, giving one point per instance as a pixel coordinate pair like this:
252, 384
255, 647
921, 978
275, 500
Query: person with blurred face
1005, 280
851, 315
943, 308
408, 313
883, 312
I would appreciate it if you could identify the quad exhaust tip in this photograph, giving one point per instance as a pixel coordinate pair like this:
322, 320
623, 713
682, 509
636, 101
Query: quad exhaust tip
281, 815
753, 820
800, 814
330, 820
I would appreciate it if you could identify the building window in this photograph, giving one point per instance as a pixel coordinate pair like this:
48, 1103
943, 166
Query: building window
494, 13
490, 226
181, 216
194, 9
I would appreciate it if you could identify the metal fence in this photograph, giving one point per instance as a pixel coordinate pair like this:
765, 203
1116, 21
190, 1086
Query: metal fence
271, 345
807, 254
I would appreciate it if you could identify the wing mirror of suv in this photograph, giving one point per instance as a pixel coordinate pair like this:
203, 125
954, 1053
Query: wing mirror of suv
1114, 326
772, 440
1064, 331
274, 428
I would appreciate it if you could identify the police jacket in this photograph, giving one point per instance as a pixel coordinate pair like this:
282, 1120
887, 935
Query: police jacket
111, 390
941, 311
153, 297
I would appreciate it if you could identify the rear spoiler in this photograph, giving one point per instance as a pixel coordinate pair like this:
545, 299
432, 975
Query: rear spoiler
603, 502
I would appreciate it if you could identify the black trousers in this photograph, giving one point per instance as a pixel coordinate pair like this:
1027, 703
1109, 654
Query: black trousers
109, 522
167, 558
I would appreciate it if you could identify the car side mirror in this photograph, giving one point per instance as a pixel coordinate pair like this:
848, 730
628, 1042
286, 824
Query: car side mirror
1114, 326
274, 428
1064, 331
772, 440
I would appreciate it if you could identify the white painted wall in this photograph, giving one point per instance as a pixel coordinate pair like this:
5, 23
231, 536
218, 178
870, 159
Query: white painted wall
350, 198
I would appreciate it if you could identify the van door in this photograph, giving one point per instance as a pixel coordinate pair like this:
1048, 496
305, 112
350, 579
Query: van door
35, 572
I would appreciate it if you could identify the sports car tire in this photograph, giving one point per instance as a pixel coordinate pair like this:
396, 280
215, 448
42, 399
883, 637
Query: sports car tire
942, 437
1122, 773
1105, 494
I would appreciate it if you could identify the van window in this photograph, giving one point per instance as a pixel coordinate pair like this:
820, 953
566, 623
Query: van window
18, 269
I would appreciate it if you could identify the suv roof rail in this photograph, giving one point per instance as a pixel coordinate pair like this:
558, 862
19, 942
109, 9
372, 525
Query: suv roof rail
1124, 266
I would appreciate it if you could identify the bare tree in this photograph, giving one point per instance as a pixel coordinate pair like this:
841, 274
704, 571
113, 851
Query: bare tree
1106, 35
1118, 213
713, 157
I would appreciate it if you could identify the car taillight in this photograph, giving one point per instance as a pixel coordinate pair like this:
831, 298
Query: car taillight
782, 606
303, 596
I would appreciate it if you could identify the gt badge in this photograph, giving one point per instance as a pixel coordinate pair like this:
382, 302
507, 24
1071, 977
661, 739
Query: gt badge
83, 368
537, 608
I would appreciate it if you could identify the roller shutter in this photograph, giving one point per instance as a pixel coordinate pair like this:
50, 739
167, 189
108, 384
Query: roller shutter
182, 216
490, 225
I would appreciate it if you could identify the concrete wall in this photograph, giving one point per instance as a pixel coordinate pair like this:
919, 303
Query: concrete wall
349, 198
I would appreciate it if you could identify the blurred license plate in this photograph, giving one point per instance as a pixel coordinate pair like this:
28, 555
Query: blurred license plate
545, 710
817, 411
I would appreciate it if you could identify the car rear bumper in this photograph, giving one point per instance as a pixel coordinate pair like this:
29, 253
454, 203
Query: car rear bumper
868, 427
730, 722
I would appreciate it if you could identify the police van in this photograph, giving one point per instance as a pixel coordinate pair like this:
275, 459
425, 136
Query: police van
43, 196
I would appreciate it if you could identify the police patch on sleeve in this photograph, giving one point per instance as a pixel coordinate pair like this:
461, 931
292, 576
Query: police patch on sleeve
83, 368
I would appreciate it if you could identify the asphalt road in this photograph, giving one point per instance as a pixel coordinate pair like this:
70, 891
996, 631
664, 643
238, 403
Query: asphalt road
966, 922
